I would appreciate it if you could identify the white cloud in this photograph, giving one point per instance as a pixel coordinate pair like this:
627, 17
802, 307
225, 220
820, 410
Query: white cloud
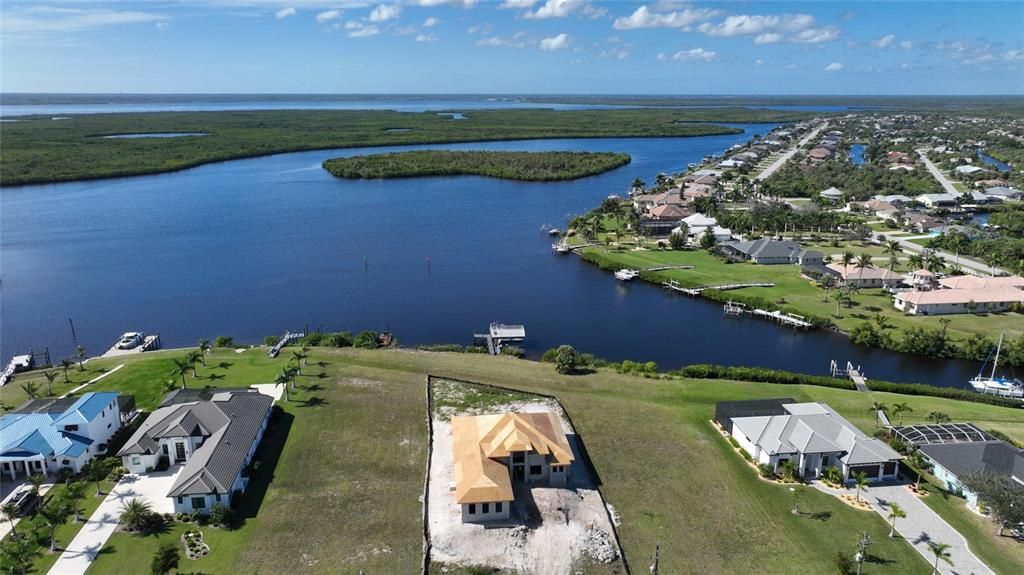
885, 41
431, 22
426, 38
516, 4
555, 42
617, 51
563, 8
385, 12
758, 62
161, 25
360, 30
405, 30
517, 40
48, 19
1013, 56
328, 15
834, 67
484, 28
772, 28
284, 13
695, 55
906, 44
644, 17
662, 56
432, 3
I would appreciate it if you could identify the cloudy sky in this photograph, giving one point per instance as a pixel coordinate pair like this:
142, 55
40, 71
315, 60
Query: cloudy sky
512, 46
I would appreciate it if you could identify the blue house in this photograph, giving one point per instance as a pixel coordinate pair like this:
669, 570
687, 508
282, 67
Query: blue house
45, 436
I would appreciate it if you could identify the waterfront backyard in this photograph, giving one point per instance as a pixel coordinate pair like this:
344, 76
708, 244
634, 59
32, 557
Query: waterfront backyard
358, 417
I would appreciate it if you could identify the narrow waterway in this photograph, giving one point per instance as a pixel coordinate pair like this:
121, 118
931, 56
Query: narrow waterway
253, 247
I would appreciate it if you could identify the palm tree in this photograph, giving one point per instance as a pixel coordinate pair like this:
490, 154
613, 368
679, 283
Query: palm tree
204, 346
73, 495
300, 359
50, 376
847, 259
290, 372
895, 512
941, 551
826, 283
10, 511
134, 513
181, 367
862, 482
934, 263
901, 408
877, 407
282, 380
945, 321
53, 516
881, 320
864, 261
95, 471
80, 354
916, 261
19, 553
193, 357
31, 389
37, 480
66, 364
937, 417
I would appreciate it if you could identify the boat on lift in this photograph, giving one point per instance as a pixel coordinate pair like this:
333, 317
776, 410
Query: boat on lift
992, 385
626, 274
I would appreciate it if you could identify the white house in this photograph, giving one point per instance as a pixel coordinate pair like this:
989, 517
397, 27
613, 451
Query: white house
869, 276
811, 435
491, 452
936, 200
213, 441
833, 193
968, 170
964, 294
45, 436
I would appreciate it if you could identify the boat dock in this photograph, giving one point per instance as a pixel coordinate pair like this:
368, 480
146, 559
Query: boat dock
664, 268
674, 285
854, 373
790, 319
22, 362
500, 334
287, 338
149, 343
564, 248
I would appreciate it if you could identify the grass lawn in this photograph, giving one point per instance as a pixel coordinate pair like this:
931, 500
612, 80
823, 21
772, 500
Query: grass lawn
343, 493
1005, 555
799, 293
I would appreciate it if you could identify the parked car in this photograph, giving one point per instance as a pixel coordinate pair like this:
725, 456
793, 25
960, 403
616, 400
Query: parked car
24, 499
129, 340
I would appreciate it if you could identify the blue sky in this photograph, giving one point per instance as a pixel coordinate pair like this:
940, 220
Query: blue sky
514, 46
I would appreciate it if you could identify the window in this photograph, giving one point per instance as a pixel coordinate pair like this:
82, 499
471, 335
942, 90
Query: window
65, 462
216, 497
535, 470
556, 469
136, 460
497, 507
198, 502
71, 427
517, 456
487, 508
181, 499
472, 508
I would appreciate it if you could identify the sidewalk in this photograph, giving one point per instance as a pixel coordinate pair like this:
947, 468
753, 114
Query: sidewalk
920, 526
83, 549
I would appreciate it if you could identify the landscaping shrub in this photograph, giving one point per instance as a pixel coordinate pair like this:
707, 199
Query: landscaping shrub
221, 515
565, 360
366, 340
165, 559
224, 341
734, 443
550, 355
513, 350
270, 340
337, 339
636, 368
765, 470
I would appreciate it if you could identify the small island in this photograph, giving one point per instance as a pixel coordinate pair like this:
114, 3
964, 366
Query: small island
523, 166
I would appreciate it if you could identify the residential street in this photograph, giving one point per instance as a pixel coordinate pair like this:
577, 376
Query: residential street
920, 526
909, 246
789, 153
939, 176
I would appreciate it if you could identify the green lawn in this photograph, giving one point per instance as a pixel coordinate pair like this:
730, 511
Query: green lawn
799, 293
341, 475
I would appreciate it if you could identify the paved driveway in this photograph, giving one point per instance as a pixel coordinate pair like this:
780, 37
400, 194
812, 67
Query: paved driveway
82, 550
920, 526
7, 488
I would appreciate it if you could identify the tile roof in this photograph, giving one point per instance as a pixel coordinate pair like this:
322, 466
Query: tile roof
478, 440
230, 421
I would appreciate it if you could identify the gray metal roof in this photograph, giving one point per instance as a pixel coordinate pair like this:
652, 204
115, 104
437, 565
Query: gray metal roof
230, 422
765, 248
998, 457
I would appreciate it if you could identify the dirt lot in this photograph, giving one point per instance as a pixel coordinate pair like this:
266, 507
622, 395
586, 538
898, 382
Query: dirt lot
551, 531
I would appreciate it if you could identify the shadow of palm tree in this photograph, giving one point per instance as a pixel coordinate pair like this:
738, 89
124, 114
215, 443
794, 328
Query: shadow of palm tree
322, 375
313, 402
223, 365
215, 376
821, 515
313, 387
323, 363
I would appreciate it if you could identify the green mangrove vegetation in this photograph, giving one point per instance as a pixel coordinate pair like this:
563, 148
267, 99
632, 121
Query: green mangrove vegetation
525, 166
38, 149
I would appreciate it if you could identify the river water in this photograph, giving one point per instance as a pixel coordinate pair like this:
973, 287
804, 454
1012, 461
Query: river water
253, 247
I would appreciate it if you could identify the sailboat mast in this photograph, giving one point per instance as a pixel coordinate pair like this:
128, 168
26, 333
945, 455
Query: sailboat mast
995, 362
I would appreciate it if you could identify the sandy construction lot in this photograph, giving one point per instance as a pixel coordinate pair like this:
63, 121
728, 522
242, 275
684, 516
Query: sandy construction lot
550, 531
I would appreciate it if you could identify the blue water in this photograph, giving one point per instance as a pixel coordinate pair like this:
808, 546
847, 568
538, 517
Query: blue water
154, 135
49, 105
254, 247
857, 154
1001, 166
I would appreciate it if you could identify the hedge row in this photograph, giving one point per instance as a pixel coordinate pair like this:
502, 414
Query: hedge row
758, 374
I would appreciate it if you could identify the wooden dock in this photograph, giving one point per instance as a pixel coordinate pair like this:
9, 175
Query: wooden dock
664, 268
500, 334
790, 319
674, 286
854, 373
287, 338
